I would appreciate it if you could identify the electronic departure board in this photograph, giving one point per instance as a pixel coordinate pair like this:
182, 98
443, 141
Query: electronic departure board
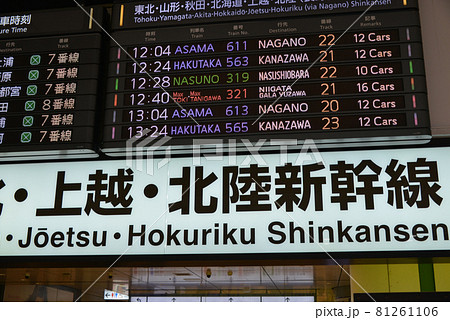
266, 69
49, 69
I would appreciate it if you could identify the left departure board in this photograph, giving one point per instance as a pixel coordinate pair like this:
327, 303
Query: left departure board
325, 72
49, 69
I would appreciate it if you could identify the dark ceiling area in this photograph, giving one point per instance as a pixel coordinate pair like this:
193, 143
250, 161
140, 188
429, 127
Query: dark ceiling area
21, 5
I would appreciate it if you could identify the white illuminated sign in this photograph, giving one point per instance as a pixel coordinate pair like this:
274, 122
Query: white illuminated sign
112, 295
334, 202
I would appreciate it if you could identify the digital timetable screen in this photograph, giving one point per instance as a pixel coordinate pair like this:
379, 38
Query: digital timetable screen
266, 70
340, 73
49, 71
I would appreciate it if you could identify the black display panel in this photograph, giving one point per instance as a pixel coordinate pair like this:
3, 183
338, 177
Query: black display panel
49, 72
282, 77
